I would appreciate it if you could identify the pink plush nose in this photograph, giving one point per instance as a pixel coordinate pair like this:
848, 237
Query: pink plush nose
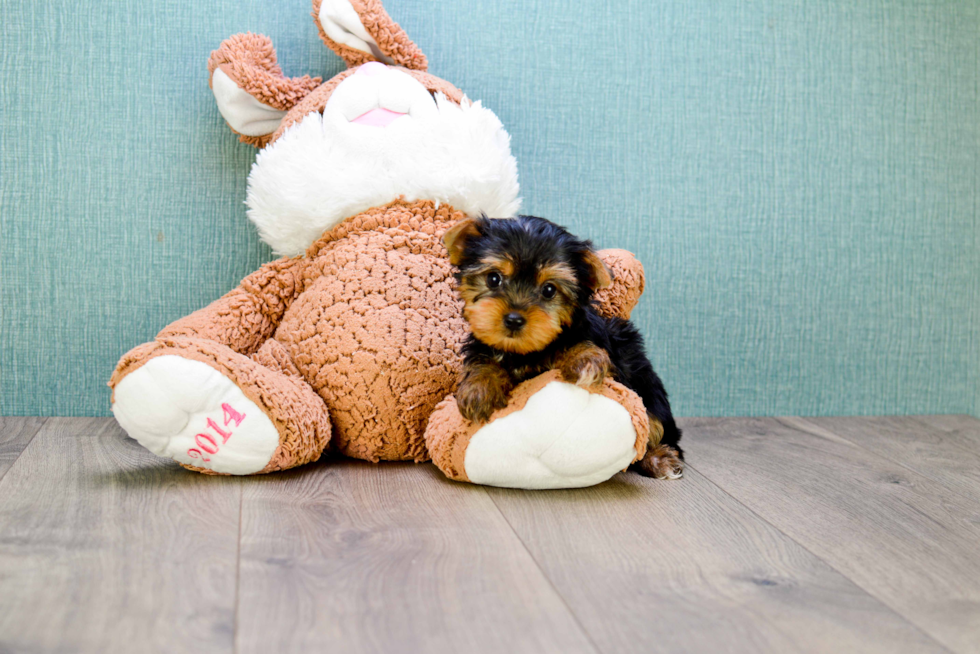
371, 68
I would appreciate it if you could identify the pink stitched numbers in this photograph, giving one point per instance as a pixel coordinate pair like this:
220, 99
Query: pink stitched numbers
206, 443
203, 439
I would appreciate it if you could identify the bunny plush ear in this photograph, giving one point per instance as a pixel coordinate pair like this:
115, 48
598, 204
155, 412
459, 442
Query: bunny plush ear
360, 31
252, 93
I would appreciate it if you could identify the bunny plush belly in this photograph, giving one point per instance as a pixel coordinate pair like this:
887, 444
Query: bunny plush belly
377, 333
551, 435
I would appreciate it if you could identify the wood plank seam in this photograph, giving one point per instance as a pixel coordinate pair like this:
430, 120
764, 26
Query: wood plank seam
30, 440
238, 571
875, 519
390, 557
108, 548
830, 565
544, 574
804, 425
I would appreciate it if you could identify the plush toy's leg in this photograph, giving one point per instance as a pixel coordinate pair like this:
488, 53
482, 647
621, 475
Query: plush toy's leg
217, 411
551, 435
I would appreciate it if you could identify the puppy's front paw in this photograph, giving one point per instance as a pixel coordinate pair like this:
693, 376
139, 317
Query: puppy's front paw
585, 365
477, 400
589, 375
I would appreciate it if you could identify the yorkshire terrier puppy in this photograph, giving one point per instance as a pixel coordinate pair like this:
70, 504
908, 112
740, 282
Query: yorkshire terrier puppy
527, 287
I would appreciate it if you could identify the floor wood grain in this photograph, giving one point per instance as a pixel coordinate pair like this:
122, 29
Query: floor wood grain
389, 558
944, 448
901, 536
15, 434
786, 535
106, 548
652, 566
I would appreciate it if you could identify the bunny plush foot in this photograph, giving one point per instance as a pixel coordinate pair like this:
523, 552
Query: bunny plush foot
551, 435
217, 411
187, 411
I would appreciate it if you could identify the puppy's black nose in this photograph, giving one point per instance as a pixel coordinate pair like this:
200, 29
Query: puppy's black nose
514, 321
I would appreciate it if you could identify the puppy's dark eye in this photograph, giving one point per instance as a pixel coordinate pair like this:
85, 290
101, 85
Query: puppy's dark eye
494, 279
549, 290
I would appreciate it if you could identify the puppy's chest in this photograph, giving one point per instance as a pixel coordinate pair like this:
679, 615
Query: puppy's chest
522, 368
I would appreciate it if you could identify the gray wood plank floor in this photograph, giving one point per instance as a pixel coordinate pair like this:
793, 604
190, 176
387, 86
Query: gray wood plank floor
15, 434
786, 535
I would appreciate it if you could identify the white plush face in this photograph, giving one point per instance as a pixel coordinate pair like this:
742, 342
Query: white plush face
381, 136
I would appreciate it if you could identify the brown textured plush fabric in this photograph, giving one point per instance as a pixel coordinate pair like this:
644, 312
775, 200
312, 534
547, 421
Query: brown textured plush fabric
366, 326
392, 40
620, 298
378, 328
248, 315
250, 61
448, 434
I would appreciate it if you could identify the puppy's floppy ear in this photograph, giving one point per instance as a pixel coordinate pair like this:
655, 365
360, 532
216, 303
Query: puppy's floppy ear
599, 274
455, 239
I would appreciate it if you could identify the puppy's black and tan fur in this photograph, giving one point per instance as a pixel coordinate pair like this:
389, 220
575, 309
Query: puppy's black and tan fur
527, 286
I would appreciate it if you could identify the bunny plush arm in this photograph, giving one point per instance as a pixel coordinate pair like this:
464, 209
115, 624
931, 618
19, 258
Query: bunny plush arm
245, 317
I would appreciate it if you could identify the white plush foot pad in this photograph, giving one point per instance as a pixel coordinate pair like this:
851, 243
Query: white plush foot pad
564, 437
188, 411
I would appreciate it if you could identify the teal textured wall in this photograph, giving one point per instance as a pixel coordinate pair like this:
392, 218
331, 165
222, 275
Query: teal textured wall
800, 180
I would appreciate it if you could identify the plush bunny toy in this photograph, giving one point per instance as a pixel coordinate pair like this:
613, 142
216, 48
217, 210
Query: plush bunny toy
350, 343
